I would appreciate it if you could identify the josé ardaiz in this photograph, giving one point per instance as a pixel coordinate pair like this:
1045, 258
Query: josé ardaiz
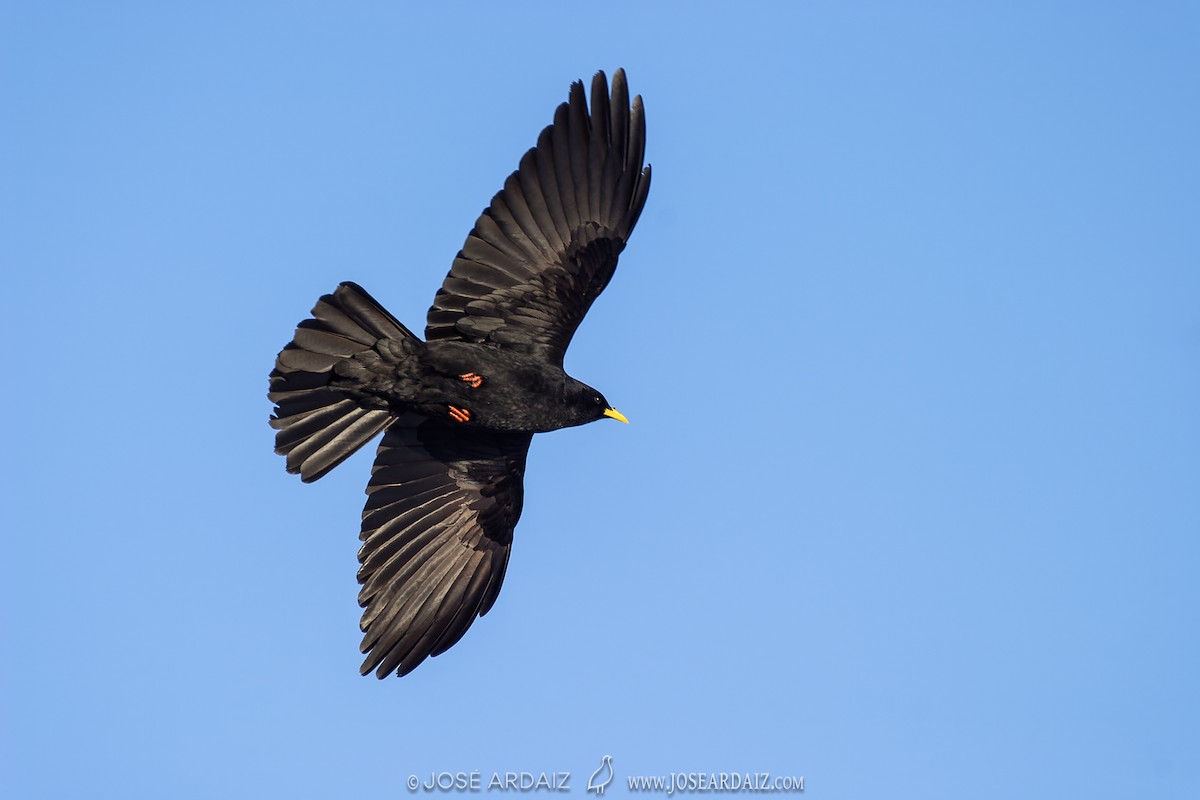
458, 409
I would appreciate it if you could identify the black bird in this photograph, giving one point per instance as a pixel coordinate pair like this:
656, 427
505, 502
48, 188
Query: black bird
460, 408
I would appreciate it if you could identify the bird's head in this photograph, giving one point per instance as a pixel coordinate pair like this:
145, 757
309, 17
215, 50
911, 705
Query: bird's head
585, 404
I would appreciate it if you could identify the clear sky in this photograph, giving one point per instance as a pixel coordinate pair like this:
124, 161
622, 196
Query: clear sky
909, 335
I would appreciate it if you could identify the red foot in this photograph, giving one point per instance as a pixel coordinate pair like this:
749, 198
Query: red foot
474, 380
459, 414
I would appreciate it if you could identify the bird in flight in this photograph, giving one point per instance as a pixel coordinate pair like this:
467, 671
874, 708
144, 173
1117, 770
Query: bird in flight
458, 410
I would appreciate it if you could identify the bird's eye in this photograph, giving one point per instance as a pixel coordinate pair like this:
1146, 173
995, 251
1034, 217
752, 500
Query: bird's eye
598, 400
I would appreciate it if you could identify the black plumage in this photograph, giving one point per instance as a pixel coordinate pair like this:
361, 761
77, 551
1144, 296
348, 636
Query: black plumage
460, 408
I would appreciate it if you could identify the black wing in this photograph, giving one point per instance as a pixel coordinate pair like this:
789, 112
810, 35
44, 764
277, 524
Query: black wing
546, 247
441, 508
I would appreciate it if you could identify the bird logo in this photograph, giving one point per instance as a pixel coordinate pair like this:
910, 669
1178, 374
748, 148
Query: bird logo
602, 777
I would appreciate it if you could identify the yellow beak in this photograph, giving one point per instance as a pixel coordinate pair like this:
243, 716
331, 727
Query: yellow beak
617, 415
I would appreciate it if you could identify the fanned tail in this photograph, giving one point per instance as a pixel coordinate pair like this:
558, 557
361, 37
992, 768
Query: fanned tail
318, 426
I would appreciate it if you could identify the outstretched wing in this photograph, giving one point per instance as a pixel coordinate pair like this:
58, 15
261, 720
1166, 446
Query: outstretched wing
437, 528
546, 247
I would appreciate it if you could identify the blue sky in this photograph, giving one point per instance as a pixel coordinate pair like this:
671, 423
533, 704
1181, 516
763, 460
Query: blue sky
908, 334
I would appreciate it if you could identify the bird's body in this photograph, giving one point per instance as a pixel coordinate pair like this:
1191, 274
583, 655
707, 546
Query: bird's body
519, 393
460, 408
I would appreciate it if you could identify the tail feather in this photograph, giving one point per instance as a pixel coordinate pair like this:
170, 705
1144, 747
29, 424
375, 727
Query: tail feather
302, 431
319, 427
326, 437
306, 360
